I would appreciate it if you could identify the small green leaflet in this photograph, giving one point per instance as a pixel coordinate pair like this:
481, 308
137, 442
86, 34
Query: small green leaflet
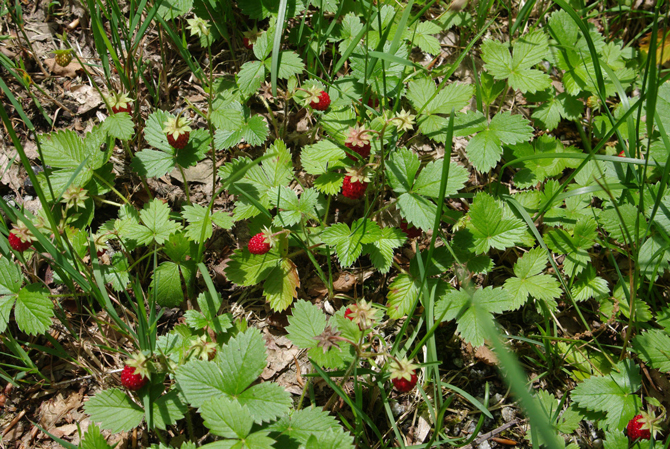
200, 221
348, 242
530, 282
453, 96
247, 269
472, 308
281, 286
528, 51
381, 251
485, 148
613, 394
491, 226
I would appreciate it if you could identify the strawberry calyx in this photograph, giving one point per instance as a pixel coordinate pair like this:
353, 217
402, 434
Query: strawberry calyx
24, 235
120, 102
250, 37
362, 313
140, 363
357, 137
358, 175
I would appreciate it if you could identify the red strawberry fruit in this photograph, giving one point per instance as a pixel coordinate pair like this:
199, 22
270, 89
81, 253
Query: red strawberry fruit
322, 103
403, 385
16, 242
409, 230
131, 380
403, 375
177, 131
246, 43
643, 426
622, 154
352, 188
259, 244
349, 314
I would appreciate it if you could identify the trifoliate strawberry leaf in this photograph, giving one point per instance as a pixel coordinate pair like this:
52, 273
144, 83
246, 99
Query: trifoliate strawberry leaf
226, 418
247, 269
613, 394
616, 440
250, 77
473, 308
114, 410
302, 424
157, 225
306, 322
33, 309
528, 51
152, 163
253, 131
259, 179
453, 96
348, 242
168, 409
653, 347
318, 158
281, 286
292, 209
566, 422
200, 222
575, 246
421, 37
553, 108
119, 126
490, 228
530, 281
535, 171
485, 148
401, 170
381, 251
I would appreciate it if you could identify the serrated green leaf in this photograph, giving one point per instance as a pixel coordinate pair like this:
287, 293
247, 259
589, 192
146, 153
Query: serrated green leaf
304, 423
155, 217
417, 210
381, 251
530, 281
318, 158
266, 401
119, 126
472, 309
199, 222
281, 286
249, 269
10, 277
290, 63
114, 410
653, 347
349, 242
227, 418
168, 409
489, 227
613, 394
306, 321
453, 96
93, 439
166, 285
250, 77
401, 170
428, 182
33, 309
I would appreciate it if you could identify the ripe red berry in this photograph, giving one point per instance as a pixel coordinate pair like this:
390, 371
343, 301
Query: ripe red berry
17, 244
349, 314
117, 109
363, 151
259, 244
132, 381
622, 154
409, 230
247, 43
373, 102
353, 189
323, 103
403, 385
180, 142
635, 431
